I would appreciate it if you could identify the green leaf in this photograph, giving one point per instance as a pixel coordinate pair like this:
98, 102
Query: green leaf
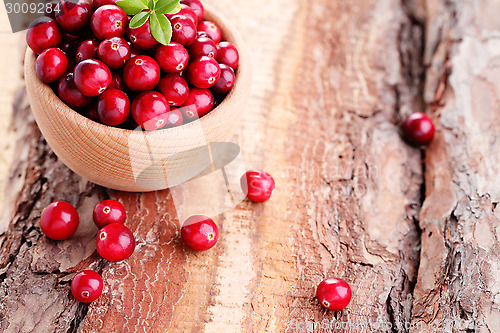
160, 28
139, 3
175, 10
151, 4
139, 19
165, 6
130, 9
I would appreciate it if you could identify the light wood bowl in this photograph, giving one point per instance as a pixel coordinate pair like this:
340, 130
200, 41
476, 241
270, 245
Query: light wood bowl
139, 161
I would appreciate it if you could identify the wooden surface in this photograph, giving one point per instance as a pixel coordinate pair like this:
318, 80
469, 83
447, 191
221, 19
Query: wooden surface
415, 233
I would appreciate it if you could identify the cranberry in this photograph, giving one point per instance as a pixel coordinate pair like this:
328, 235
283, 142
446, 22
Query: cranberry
172, 58
418, 129
51, 64
198, 104
227, 54
86, 286
150, 110
258, 185
174, 88
186, 11
91, 111
141, 73
203, 72
107, 212
74, 15
141, 37
114, 52
211, 29
113, 107
87, 50
334, 294
203, 46
200, 233
183, 30
226, 81
59, 220
109, 21
50, 9
196, 6
99, 3
201, 34
42, 34
115, 242
117, 82
69, 93
174, 118
69, 44
92, 77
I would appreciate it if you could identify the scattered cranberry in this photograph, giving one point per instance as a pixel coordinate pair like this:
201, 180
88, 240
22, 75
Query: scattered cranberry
203, 72
42, 34
418, 129
186, 11
203, 46
174, 88
200, 233
74, 15
107, 212
172, 58
258, 185
183, 30
51, 64
86, 286
92, 77
69, 93
87, 50
198, 104
141, 73
117, 82
196, 6
212, 30
226, 81
333, 294
115, 242
141, 37
114, 52
109, 21
59, 220
150, 110
227, 54
113, 107
174, 118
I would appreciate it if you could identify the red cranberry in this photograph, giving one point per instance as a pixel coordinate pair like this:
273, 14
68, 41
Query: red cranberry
203, 72
186, 11
59, 220
196, 6
198, 104
183, 30
115, 242
150, 110
107, 212
117, 82
113, 107
99, 3
200, 233
172, 58
51, 64
109, 21
226, 81
258, 185
92, 77
114, 52
87, 50
174, 118
141, 73
211, 29
141, 37
333, 294
174, 88
50, 9
203, 46
69, 93
74, 15
227, 54
86, 286
91, 111
42, 34
418, 129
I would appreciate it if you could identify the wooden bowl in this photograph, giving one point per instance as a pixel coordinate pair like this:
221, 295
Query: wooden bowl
135, 160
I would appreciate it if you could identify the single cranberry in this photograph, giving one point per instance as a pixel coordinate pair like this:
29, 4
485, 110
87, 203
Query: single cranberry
113, 107
74, 15
141, 37
174, 88
228, 54
200, 232
114, 52
150, 110
92, 77
174, 118
69, 93
183, 30
186, 11
226, 81
107, 212
59, 220
87, 50
86, 286
51, 64
203, 72
99, 3
90, 111
198, 104
42, 34
109, 21
117, 82
172, 58
418, 129
115, 242
203, 46
196, 6
333, 294
211, 29
141, 73
258, 185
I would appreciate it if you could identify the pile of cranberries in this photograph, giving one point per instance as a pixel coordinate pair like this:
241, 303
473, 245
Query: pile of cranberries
122, 76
